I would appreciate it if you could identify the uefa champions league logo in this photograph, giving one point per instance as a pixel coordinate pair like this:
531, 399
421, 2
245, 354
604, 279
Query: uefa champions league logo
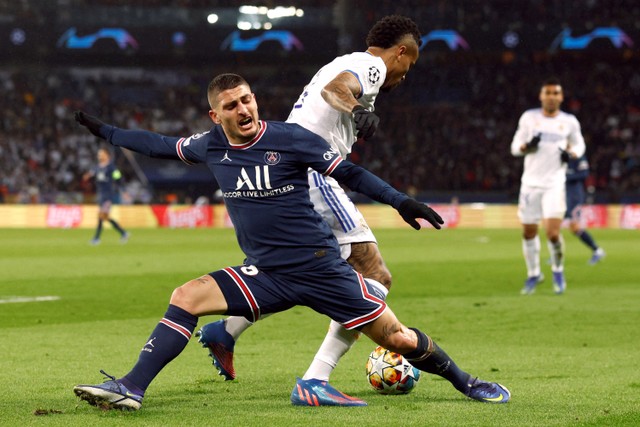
374, 75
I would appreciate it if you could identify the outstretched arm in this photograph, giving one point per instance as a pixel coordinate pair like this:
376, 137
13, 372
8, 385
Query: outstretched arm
140, 141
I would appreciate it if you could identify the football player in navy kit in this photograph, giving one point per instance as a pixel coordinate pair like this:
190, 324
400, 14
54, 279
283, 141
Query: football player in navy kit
292, 258
577, 174
338, 104
107, 178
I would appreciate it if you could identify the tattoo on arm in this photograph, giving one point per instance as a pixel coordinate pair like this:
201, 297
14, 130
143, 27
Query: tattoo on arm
341, 92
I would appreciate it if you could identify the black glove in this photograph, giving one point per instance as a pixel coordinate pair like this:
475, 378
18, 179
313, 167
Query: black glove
90, 122
411, 209
564, 156
535, 141
366, 121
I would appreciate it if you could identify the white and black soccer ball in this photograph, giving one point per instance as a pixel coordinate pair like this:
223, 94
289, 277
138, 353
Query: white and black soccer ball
390, 373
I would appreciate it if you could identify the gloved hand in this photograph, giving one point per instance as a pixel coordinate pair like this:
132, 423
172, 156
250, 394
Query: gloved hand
366, 121
90, 122
411, 209
564, 156
535, 141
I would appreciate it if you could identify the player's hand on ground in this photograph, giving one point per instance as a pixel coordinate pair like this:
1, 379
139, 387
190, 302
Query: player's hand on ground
564, 156
411, 209
92, 123
366, 121
535, 141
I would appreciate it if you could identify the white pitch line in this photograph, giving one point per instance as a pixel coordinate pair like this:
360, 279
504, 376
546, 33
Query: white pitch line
12, 299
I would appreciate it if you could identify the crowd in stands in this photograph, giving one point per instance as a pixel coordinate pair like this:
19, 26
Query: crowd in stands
446, 130
439, 132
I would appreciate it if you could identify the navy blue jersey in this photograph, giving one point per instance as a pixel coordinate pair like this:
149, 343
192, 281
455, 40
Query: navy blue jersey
107, 185
577, 169
265, 187
577, 173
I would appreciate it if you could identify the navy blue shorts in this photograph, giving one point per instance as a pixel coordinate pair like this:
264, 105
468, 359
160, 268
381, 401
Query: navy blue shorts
575, 200
336, 291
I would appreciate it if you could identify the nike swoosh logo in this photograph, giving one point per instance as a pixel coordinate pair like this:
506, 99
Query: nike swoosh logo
494, 399
130, 394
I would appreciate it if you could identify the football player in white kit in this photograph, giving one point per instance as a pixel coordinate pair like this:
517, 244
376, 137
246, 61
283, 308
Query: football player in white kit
338, 104
547, 138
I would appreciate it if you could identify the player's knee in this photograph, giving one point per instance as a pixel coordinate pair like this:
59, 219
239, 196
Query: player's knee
186, 296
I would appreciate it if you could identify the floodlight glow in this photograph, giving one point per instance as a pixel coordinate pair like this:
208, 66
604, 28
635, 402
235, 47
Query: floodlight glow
212, 18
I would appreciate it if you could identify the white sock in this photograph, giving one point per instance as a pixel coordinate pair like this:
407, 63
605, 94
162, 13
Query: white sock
236, 325
557, 254
531, 251
336, 343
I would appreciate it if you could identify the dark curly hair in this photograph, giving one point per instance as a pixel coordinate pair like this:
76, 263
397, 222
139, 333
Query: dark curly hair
390, 30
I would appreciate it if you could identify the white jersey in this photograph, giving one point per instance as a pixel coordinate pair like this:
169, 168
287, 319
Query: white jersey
543, 168
312, 112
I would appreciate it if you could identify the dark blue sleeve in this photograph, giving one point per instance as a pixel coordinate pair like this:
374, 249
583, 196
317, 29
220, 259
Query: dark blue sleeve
361, 180
190, 149
577, 169
319, 155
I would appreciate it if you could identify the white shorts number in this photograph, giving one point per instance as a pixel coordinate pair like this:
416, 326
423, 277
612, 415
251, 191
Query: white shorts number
249, 270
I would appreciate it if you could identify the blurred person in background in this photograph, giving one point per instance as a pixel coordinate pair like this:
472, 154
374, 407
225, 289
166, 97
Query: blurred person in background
547, 138
577, 173
107, 180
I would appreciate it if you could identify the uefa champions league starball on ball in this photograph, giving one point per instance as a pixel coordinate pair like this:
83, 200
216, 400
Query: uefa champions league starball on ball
390, 373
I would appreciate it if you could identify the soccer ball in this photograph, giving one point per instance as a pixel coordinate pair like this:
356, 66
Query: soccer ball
390, 373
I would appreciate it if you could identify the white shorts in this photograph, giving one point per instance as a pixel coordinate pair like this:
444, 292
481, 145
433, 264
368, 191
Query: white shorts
337, 209
537, 203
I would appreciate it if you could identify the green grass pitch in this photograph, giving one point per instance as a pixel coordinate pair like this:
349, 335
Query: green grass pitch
568, 360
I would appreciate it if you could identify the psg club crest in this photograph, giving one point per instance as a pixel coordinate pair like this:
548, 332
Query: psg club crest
374, 75
272, 158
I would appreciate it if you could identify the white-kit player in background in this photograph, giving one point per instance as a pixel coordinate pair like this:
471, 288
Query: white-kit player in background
547, 138
338, 105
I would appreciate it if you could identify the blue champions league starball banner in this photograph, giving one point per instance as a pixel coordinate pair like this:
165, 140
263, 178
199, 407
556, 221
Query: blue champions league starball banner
61, 44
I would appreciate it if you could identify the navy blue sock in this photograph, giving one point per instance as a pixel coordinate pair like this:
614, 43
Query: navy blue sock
98, 230
167, 341
587, 239
116, 226
430, 358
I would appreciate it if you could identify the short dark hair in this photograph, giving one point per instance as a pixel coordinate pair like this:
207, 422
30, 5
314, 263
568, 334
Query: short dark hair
223, 82
390, 30
551, 81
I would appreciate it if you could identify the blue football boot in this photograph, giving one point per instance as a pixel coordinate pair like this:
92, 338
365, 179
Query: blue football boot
488, 392
111, 394
320, 393
531, 283
597, 256
220, 344
559, 284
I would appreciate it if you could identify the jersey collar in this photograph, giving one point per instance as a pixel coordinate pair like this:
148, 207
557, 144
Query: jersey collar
246, 145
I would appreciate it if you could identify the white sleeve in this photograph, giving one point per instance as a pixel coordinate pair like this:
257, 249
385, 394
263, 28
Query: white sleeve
370, 75
521, 136
576, 140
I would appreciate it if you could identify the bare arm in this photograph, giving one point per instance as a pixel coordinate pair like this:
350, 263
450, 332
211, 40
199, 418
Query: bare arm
341, 92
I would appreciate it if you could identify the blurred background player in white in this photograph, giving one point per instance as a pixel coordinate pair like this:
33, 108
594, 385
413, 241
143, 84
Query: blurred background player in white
547, 138
577, 174
107, 179
338, 105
